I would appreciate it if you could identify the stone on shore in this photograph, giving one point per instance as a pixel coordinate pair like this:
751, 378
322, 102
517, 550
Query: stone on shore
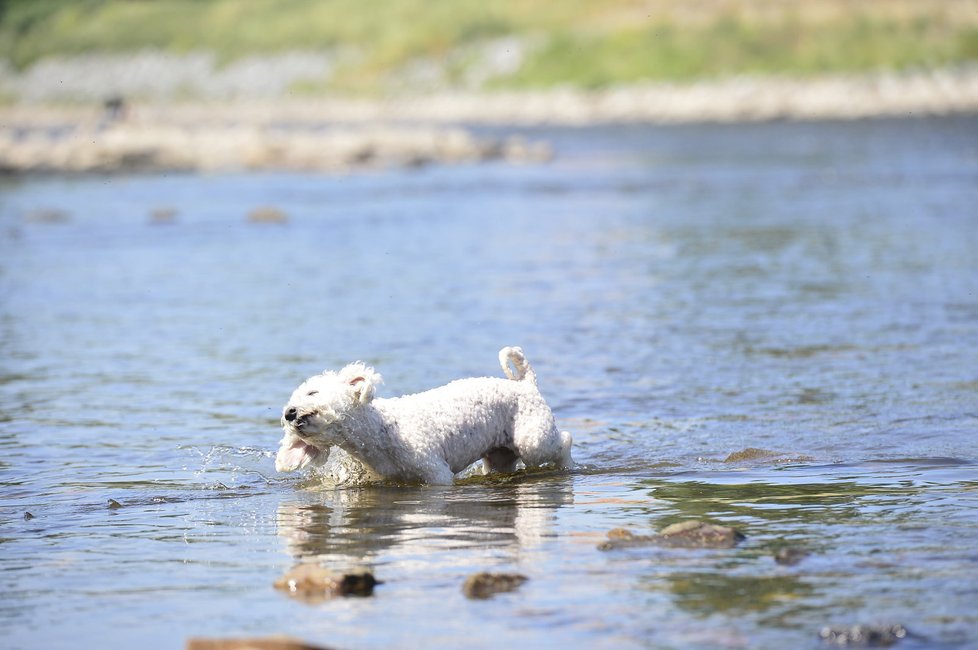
169, 145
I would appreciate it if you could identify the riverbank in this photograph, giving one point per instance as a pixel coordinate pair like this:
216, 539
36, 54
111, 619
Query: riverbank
338, 134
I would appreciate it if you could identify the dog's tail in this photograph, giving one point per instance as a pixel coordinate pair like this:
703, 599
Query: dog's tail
520, 369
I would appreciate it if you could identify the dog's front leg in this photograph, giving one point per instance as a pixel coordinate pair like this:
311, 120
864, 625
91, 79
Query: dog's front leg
438, 473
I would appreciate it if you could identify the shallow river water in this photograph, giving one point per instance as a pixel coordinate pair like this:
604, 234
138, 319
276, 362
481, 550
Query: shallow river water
684, 293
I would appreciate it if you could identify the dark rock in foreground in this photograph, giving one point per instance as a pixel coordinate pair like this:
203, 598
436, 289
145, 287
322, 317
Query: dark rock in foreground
865, 636
485, 585
312, 583
687, 534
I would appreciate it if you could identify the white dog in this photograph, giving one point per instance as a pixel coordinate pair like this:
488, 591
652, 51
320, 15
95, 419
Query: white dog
428, 436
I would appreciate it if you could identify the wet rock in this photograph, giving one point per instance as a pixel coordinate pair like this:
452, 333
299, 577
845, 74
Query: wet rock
757, 455
28, 516
686, 534
865, 636
312, 583
257, 643
790, 555
751, 453
485, 585
267, 214
113, 504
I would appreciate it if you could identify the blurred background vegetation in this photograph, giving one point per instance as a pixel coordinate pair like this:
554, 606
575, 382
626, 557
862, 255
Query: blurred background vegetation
511, 43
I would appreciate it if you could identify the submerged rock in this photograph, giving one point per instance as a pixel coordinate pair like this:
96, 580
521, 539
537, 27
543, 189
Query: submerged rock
257, 643
867, 636
790, 555
313, 583
686, 534
485, 585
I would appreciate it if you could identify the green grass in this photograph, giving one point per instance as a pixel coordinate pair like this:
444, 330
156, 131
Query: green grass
587, 43
727, 47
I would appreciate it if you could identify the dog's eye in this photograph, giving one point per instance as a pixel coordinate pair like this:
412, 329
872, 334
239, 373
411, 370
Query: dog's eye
312, 392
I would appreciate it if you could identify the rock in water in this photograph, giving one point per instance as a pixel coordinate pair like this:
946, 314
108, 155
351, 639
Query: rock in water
686, 534
485, 585
864, 636
790, 555
313, 583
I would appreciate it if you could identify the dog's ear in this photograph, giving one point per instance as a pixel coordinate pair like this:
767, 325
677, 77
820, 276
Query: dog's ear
363, 381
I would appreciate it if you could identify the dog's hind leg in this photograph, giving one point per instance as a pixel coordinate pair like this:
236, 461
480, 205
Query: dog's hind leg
500, 459
437, 473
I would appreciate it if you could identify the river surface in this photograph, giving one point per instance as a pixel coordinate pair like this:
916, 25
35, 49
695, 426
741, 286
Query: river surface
684, 293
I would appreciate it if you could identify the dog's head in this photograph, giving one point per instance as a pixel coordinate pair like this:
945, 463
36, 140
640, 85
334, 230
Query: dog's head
313, 417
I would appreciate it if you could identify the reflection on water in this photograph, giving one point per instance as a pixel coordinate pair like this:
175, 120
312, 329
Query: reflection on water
359, 525
684, 293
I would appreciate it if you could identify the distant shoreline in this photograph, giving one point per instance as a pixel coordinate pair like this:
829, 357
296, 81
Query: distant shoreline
738, 99
340, 134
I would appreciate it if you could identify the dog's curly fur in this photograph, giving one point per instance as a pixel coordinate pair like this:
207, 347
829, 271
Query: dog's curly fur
429, 436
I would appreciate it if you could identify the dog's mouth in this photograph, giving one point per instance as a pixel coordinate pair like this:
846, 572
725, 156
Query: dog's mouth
297, 455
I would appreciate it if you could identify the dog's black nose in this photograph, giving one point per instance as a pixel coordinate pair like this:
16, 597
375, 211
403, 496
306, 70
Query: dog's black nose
290, 414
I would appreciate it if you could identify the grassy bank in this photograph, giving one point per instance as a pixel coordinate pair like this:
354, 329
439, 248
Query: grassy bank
584, 43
